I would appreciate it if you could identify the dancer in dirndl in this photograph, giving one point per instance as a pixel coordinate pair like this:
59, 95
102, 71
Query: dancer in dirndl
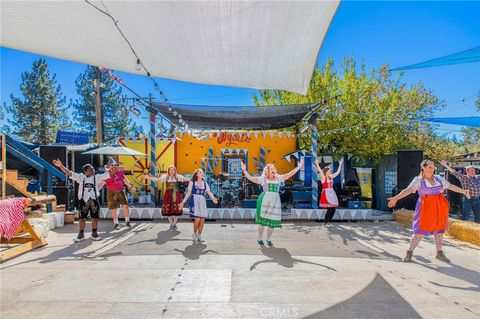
328, 198
172, 197
269, 205
431, 211
197, 189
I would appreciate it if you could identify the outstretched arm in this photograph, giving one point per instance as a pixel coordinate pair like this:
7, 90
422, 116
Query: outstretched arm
59, 164
156, 179
460, 177
293, 171
444, 164
187, 194
392, 201
210, 194
248, 176
182, 178
339, 170
457, 189
320, 171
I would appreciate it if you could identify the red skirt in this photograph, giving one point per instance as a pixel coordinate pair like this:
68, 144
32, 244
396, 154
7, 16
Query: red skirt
328, 200
169, 206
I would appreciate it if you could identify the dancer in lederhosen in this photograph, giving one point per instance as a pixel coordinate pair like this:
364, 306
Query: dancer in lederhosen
197, 189
172, 197
431, 211
328, 198
88, 194
269, 205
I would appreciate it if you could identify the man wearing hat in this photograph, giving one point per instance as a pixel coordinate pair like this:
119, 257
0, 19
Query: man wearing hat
471, 182
115, 193
88, 193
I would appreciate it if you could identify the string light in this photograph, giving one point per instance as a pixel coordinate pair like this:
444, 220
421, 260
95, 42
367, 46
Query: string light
138, 65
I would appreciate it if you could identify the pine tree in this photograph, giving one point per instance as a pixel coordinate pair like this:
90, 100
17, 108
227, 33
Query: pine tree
114, 124
40, 113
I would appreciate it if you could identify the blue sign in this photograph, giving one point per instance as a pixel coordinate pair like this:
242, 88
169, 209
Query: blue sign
65, 137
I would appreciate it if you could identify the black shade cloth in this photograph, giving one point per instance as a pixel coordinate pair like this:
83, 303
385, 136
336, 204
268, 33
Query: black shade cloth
235, 117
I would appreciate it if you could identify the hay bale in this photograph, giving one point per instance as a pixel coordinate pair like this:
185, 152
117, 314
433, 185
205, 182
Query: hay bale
458, 229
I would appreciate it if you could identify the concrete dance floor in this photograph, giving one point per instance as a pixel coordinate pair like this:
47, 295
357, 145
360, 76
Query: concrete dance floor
352, 270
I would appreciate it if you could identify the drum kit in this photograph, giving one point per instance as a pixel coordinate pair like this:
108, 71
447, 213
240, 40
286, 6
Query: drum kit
232, 192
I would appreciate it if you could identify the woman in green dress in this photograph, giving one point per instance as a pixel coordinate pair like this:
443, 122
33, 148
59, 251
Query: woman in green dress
269, 206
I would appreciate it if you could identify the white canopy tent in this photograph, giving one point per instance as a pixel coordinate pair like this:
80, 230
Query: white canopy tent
254, 44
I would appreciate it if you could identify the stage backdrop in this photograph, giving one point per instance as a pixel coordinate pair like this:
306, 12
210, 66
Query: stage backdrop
136, 166
212, 149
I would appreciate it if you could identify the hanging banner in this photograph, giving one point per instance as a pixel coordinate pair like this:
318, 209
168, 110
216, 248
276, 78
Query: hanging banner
235, 168
365, 181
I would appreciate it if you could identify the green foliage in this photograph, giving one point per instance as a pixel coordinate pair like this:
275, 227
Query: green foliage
378, 114
40, 113
114, 124
471, 135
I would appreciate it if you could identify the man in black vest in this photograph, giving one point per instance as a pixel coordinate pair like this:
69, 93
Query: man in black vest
88, 194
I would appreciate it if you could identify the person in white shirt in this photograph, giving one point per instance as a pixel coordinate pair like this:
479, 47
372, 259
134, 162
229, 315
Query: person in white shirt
88, 193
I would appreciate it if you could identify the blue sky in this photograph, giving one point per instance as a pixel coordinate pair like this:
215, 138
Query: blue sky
375, 33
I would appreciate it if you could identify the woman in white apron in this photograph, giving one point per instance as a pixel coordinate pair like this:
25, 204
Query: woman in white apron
328, 198
269, 205
197, 189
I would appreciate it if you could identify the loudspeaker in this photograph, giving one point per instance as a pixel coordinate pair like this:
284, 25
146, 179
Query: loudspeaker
408, 166
63, 196
455, 198
49, 153
80, 159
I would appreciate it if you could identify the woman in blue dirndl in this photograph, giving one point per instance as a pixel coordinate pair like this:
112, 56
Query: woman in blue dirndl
197, 189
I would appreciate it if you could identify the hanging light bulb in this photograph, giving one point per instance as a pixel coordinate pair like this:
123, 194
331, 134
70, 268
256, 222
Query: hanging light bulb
179, 116
175, 113
124, 111
180, 121
138, 65
135, 111
170, 109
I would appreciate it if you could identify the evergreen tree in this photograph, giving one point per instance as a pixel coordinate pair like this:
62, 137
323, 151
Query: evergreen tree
40, 113
114, 124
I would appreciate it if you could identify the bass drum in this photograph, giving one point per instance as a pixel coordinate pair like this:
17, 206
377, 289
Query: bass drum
230, 199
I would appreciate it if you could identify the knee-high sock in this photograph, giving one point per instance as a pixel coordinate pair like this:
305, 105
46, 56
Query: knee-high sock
414, 242
438, 241
260, 232
269, 233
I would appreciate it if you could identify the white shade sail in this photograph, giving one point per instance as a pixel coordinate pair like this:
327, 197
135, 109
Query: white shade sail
115, 150
254, 44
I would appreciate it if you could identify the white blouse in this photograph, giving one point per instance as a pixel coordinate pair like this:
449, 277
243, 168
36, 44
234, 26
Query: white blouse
439, 181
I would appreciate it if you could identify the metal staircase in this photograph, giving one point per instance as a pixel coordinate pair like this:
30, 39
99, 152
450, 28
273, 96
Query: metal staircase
22, 153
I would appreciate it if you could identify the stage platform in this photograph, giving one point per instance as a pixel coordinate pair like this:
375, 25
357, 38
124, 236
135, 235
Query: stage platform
249, 214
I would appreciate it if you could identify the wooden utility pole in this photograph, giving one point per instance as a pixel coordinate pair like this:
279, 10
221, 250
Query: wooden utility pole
98, 112
4, 166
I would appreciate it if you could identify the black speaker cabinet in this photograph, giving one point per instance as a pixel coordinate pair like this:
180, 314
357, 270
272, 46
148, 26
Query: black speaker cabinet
63, 196
408, 166
49, 153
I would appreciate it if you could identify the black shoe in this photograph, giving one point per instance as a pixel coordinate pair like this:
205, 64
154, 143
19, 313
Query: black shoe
127, 223
95, 237
79, 238
116, 227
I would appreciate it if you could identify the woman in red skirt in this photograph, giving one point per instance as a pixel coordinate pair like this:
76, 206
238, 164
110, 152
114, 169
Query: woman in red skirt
172, 197
328, 198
